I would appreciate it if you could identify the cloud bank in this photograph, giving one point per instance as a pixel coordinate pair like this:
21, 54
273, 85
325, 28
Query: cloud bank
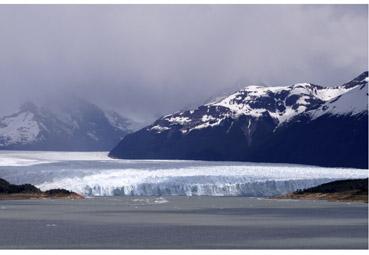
149, 60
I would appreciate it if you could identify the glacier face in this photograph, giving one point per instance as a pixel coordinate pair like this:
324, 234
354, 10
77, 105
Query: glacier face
94, 174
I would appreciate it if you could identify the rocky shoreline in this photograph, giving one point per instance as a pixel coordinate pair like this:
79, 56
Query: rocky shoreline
338, 191
28, 191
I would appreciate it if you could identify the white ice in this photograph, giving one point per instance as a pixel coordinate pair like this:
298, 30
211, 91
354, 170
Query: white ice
93, 174
29, 158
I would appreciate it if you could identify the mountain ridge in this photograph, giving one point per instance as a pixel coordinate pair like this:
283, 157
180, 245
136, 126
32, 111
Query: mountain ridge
243, 125
73, 124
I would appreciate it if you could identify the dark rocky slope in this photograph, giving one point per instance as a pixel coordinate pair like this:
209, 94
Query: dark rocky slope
343, 190
28, 191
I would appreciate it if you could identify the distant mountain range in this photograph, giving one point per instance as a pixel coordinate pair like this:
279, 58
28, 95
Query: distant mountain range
70, 124
302, 123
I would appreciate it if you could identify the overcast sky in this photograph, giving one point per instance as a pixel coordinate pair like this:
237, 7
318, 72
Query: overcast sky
145, 61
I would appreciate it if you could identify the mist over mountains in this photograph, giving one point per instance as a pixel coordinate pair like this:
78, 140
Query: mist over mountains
70, 124
144, 61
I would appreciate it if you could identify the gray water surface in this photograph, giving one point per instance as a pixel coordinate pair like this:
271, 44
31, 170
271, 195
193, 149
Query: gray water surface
183, 223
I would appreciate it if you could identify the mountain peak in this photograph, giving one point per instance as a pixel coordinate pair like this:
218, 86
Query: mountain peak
359, 80
362, 77
279, 103
354, 102
28, 106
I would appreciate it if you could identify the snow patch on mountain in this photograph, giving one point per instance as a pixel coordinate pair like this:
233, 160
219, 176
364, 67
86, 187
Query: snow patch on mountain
179, 119
159, 128
118, 121
351, 103
205, 124
18, 128
327, 94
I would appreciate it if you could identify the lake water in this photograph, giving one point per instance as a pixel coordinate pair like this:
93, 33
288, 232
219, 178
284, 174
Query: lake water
95, 174
178, 222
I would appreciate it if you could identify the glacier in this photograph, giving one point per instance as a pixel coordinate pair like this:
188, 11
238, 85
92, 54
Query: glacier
94, 174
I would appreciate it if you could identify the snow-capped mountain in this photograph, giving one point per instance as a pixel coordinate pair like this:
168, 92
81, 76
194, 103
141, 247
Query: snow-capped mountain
71, 124
279, 103
352, 103
243, 125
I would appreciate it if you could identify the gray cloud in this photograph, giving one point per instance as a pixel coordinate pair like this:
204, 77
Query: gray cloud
149, 60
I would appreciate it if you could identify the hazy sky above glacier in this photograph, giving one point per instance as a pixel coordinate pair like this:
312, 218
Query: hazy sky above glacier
145, 61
